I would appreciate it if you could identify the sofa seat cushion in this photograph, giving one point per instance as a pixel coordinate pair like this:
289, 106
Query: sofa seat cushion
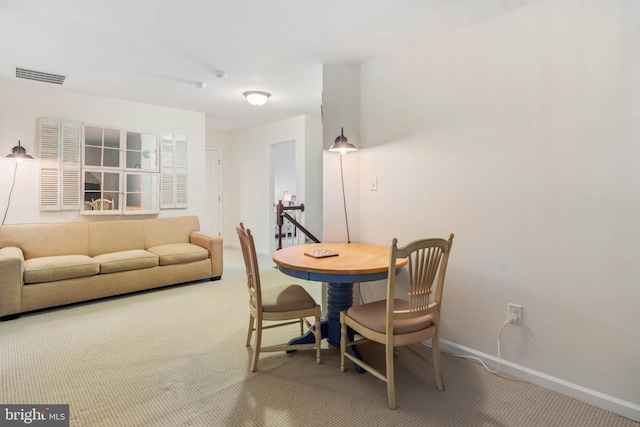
52, 268
178, 253
126, 260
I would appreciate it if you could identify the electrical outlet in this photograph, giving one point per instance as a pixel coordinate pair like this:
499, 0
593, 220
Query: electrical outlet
515, 314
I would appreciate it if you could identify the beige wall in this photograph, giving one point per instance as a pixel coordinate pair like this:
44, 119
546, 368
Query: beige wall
520, 135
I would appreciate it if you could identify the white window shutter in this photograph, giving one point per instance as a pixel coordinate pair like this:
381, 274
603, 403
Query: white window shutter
173, 170
70, 177
180, 171
167, 189
49, 195
49, 164
59, 165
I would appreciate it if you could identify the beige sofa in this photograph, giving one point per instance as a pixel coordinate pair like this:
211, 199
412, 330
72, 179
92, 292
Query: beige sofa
47, 265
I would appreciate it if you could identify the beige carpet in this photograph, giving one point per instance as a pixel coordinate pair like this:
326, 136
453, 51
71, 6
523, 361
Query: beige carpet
176, 357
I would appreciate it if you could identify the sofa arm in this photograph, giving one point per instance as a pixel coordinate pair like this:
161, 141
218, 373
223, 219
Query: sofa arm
11, 281
214, 245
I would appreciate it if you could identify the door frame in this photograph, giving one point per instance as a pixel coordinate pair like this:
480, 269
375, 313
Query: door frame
219, 190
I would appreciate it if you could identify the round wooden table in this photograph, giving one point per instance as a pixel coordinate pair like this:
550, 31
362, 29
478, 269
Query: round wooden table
355, 262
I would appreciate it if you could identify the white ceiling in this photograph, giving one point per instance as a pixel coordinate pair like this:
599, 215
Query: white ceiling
154, 51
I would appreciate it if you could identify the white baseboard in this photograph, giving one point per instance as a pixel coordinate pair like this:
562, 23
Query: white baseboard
592, 397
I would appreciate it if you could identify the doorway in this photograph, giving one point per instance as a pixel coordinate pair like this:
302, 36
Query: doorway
285, 187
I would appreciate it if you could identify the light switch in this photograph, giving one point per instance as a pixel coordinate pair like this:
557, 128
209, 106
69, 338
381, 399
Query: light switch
373, 185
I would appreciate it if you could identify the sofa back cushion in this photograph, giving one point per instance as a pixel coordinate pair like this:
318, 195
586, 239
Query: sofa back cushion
106, 237
164, 231
42, 240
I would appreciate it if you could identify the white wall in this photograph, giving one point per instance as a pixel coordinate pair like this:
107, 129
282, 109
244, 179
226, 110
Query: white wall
521, 136
284, 170
341, 108
311, 176
247, 195
22, 103
216, 139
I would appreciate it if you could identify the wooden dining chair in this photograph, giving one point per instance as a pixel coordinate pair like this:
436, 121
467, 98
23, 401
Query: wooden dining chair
397, 322
102, 204
281, 304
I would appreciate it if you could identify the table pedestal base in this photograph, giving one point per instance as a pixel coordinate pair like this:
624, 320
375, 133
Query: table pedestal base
339, 297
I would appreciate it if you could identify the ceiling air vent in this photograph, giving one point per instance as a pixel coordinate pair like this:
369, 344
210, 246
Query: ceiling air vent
39, 76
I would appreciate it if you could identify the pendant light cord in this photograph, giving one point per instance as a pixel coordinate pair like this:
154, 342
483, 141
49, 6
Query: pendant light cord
344, 200
10, 192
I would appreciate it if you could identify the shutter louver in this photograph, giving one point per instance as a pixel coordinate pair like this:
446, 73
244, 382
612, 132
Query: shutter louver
49, 164
49, 134
181, 190
71, 142
167, 191
180, 172
173, 166
70, 179
70, 189
49, 189
166, 167
59, 165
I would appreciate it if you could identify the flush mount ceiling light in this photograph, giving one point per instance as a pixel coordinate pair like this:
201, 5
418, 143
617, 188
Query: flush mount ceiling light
256, 97
201, 85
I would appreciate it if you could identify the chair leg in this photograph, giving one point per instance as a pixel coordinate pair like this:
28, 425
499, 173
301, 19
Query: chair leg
318, 333
343, 340
250, 331
391, 391
256, 350
435, 347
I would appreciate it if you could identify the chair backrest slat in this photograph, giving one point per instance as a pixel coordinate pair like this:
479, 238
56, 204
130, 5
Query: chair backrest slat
427, 265
421, 277
251, 262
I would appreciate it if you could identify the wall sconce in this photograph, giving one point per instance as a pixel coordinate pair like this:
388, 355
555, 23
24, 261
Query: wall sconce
341, 145
19, 153
256, 97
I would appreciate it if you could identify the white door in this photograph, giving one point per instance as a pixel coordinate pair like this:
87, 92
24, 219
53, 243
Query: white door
211, 223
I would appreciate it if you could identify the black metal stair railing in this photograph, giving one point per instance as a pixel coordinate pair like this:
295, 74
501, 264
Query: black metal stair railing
281, 215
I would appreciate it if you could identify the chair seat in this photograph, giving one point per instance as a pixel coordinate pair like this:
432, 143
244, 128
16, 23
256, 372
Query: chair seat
281, 304
427, 264
286, 298
374, 316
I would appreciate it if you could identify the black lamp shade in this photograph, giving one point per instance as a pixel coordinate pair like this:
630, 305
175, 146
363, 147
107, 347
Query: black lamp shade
19, 153
341, 145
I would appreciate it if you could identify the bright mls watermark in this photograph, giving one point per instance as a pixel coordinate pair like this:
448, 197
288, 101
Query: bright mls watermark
34, 415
